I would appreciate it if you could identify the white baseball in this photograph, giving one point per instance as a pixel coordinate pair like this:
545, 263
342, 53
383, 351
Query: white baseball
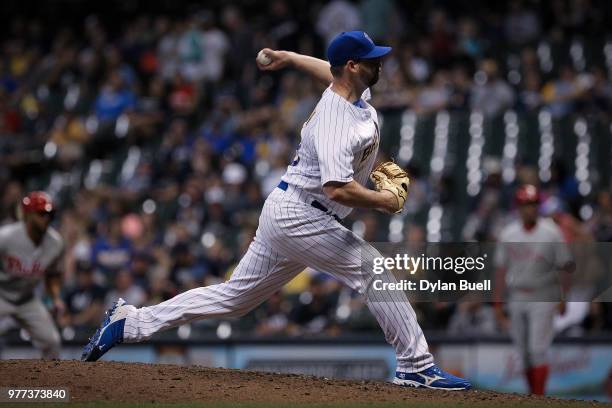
263, 58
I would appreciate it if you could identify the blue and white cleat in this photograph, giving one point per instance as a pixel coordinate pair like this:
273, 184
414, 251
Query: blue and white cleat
432, 377
109, 334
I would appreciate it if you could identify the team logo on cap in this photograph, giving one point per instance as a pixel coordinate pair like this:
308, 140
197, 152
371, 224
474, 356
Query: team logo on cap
368, 37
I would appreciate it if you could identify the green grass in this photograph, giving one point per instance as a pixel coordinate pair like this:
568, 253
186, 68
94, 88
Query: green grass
196, 405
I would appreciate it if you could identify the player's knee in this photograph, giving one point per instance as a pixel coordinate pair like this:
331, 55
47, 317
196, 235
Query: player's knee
46, 339
242, 310
241, 305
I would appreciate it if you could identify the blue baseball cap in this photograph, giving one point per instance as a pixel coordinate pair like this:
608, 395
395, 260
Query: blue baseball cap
353, 45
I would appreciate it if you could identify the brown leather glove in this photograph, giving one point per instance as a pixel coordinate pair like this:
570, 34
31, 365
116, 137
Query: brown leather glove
391, 177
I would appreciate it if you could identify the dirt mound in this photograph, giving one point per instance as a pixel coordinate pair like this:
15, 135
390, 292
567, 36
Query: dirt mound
133, 382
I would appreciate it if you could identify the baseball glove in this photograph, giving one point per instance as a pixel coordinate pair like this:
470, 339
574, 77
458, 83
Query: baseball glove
391, 177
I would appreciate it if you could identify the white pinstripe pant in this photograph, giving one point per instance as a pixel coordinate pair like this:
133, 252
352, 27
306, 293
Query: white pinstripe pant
292, 235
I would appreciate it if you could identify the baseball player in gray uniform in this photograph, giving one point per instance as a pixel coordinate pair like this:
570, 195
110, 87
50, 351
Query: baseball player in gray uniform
29, 253
530, 255
299, 224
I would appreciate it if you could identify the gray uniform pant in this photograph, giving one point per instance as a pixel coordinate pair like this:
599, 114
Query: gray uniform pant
36, 320
532, 330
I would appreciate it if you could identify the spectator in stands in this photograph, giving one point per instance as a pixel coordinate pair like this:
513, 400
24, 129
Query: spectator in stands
529, 61
473, 319
491, 94
413, 63
315, 311
85, 302
367, 227
173, 156
167, 49
215, 46
214, 135
126, 289
223, 122
434, 97
460, 89
335, 17
140, 267
187, 272
562, 94
377, 17
192, 64
111, 251
8, 82
283, 27
69, 135
11, 196
240, 40
485, 222
522, 25
160, 289
441, 38
114, 99
530, 96
183, 97
295, 101
600, 93
115, 62
272, 317
470, 43
601, 222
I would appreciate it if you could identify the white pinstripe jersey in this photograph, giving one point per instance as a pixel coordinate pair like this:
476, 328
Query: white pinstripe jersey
339, 143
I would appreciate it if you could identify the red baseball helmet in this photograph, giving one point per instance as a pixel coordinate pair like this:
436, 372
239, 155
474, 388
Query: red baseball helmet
38, 202
527, 194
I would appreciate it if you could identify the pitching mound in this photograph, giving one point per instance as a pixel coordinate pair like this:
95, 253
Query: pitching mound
114, 382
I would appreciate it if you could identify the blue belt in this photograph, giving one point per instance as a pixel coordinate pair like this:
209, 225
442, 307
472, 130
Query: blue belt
283, 185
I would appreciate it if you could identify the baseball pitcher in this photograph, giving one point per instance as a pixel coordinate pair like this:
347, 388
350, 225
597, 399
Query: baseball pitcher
29, 253
299, 224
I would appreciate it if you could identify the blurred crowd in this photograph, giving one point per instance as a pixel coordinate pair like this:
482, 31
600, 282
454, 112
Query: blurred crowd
159, 139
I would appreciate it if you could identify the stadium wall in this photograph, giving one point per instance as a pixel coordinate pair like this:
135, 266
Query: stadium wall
580, 366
